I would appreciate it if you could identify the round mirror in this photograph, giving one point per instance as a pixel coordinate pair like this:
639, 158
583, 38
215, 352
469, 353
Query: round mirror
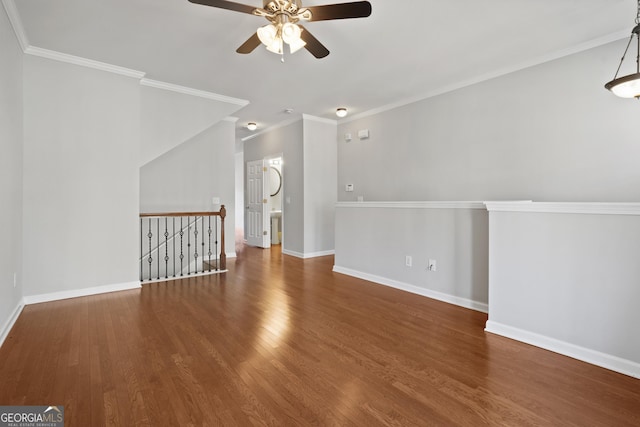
275, 179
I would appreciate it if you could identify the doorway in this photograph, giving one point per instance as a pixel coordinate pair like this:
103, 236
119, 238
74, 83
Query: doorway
264, 219
275, 200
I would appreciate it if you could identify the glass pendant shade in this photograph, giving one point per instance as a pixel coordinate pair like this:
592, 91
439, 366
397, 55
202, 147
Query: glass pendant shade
275, 46
290, 32
274, 37
628, 86
296, 45
267, 34
625, 87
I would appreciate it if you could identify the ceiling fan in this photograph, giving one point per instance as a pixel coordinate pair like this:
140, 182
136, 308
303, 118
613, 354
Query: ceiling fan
283, 27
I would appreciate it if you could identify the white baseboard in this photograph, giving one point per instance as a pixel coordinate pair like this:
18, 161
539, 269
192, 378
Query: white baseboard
308, 254
451, 299
6, 328
594, 357
54, 296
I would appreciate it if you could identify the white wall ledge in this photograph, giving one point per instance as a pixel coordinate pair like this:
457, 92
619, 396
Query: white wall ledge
414, 205
566, 208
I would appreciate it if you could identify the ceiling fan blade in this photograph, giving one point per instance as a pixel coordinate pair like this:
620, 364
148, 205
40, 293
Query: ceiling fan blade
248, 46
356, 9
229, 5
316, 48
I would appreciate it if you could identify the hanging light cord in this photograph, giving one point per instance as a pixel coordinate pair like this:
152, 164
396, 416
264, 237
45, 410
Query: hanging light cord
634, 33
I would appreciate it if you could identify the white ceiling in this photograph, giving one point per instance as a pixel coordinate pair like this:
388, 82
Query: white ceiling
405, 50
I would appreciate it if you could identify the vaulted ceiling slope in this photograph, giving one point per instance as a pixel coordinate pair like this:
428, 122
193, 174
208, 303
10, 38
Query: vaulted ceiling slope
404, 51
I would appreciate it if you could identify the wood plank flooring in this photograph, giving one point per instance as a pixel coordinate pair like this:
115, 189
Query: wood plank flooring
281, 341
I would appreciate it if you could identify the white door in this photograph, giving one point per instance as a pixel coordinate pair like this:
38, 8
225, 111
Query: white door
257, 205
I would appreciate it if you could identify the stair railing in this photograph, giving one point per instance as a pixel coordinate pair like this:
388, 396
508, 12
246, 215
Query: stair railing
178, 244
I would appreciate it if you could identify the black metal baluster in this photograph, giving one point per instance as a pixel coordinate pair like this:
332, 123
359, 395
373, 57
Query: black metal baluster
181, 245
158, 244
203, 246
216, 245
141, 254
166, 249
188, 245
195, 244
209, 253
173, 239
150, 235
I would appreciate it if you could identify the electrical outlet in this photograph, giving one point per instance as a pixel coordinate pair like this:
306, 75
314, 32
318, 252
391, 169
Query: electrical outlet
408, 260
432, 265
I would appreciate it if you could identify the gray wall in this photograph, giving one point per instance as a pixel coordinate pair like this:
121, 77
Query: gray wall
187, 177
81, 145
287, 140
568, 282
10, 172
320, 175
546, 133
373, 240
309, 170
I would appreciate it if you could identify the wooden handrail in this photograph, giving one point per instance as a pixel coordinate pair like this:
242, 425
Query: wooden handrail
222, 213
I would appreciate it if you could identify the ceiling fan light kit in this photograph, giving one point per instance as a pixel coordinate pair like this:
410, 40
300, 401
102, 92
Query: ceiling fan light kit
628, 86
283, 27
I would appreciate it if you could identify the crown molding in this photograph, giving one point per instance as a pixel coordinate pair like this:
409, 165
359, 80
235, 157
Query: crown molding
609, 38
83, 62
16, 23
318, 119
193, 92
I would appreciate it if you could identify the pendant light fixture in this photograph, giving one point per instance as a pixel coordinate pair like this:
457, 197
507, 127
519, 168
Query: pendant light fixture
628, 86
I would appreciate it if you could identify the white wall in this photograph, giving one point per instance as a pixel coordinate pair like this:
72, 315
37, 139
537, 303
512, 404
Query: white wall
566, 277
10, 174
81, 145
187, 177
546, 133
320, 177
169, 118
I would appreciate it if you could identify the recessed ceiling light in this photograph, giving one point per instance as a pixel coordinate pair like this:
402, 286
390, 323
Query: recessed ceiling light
341, 112
252, 126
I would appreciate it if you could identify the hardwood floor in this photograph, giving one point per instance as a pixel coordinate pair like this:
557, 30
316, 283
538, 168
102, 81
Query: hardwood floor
286, 342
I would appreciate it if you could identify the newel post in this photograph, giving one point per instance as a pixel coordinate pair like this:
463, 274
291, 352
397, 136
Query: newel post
223, 255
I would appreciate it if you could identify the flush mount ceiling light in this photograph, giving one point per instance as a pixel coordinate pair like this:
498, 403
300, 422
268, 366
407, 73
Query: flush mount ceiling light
252, 126
628, 86
283, 27
341, 112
